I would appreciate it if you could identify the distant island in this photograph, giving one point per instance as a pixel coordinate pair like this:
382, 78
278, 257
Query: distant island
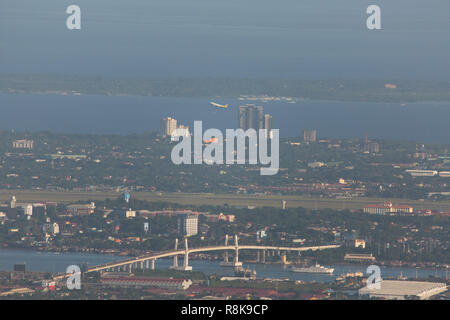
369, 90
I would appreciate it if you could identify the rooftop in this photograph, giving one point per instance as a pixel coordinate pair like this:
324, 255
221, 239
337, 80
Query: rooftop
398, 289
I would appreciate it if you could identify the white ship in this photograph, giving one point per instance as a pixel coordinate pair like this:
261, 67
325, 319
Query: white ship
313, 269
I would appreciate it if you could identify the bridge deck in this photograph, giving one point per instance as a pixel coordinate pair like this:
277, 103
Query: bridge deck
166, 254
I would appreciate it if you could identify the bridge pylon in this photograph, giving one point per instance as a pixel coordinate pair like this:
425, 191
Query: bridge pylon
284, 258
226, 262
236, 262
175, 258
186, 266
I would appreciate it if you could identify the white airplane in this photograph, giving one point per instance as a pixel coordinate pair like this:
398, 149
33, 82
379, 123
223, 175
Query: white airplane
224, 106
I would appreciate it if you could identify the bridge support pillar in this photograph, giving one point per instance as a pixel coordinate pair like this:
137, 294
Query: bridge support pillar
186, 266
175, 258
153, 264
142, 265
225, 255
283, 258
226, 262
236, 262
263, 256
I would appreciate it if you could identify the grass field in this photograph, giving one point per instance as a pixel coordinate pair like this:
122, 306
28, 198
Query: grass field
219, 199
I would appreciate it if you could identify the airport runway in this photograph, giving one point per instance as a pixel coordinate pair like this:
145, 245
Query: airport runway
217, 199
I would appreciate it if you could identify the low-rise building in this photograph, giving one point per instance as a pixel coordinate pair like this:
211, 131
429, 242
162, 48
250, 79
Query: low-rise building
23, 144
422, 173
356, 243
141, 282
220, 217
52, 228
81, 209
387, 208
25, 208
359, 257
130, 213
401, 290
316, 164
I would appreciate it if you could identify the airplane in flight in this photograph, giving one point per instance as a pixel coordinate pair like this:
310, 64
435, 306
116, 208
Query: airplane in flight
224, 106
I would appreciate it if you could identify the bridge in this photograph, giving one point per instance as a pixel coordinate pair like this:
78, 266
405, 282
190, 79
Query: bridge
148, 261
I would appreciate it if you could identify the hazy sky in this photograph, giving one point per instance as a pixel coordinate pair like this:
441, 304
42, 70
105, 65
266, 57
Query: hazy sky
243, 38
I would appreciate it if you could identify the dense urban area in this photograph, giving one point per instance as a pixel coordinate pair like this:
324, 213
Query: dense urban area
390, 207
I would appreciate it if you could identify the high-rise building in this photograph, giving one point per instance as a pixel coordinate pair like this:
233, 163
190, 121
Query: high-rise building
268, 125
251, 117
310, 136
368, 146
168, 125
182, 131
13, 202
374, 147
242, 117
187, 224
259, 118
50, 227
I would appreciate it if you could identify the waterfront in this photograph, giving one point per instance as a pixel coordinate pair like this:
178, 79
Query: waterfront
58, 262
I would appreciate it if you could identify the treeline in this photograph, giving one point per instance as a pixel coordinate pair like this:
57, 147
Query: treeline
328, 89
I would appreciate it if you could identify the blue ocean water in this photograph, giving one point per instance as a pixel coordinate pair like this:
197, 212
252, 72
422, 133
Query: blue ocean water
426, 122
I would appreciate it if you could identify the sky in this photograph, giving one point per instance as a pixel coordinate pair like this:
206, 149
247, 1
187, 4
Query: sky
232, 38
